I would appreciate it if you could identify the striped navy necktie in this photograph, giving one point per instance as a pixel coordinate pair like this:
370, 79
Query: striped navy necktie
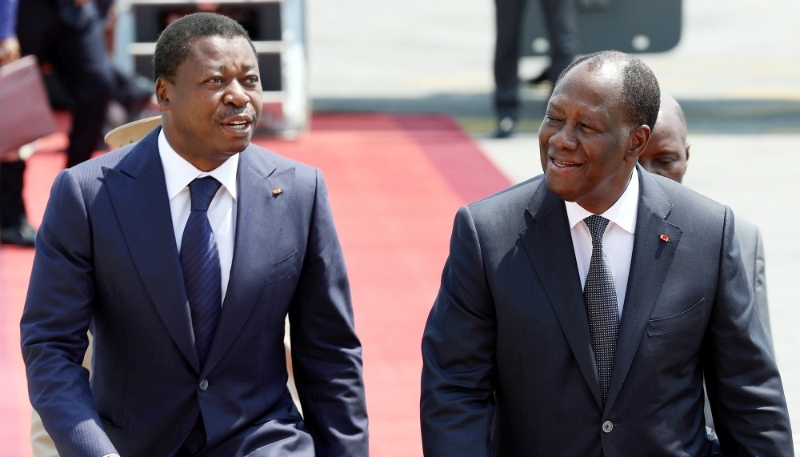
202, 274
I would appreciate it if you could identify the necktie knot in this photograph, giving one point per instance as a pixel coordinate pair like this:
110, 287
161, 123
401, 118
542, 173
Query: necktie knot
202, 191
597, 226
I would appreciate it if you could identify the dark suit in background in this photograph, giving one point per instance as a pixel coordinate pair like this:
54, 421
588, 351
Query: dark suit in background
70, 37
753, 258
106, 251
507, 347
562, 30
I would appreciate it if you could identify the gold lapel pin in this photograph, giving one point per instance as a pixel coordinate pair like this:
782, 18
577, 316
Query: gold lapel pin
276, 191
664, 238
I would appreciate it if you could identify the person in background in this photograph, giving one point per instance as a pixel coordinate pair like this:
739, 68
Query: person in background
69, 35
562, 31
15, 229
14, 226
667, 154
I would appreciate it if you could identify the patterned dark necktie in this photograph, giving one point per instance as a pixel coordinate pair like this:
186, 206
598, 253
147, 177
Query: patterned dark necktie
201, 268
601, 304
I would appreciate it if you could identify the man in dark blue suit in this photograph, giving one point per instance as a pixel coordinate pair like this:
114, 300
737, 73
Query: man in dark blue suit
185, 252
579, 311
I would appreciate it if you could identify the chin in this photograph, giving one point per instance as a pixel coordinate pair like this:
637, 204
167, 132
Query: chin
563, 189
235, 147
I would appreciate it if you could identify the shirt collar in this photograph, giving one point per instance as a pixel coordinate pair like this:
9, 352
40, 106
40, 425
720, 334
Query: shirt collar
178, 172
622, 212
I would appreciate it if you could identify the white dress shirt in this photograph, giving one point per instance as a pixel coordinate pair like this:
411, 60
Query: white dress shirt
178, 173
617, 239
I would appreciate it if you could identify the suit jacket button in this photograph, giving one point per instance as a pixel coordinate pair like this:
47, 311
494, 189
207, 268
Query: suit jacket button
204, 385
608, 426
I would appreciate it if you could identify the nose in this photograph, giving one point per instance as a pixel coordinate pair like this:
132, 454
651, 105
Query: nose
236, 95
564, 138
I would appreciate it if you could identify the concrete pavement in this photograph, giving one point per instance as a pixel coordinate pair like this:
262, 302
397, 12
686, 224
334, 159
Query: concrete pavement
737, 61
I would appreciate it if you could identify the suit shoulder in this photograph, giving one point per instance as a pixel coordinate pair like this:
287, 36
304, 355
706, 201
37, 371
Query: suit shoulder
750, 243
264, 155
505, 212
682, 194
93, 168
515, 197
87, 177
689, 205
745, 229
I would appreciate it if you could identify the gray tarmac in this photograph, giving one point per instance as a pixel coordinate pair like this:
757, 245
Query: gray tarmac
736, 72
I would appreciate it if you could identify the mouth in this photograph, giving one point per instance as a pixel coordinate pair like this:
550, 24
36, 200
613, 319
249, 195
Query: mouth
239, 125
563, 164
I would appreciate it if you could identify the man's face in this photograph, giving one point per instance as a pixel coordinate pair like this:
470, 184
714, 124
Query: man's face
211, 108
667, 153
587, 144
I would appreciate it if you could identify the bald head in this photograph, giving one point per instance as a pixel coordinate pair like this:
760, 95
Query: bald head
667, 152
640, 91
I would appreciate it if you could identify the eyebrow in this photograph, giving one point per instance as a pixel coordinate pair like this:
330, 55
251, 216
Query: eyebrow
592, 112
221, 68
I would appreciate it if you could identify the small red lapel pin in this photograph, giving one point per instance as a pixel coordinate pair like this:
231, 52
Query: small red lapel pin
276, 191
664, 238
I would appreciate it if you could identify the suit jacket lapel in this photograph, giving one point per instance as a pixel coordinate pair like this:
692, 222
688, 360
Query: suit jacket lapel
260, 217
650, 262
138, 194
549, 246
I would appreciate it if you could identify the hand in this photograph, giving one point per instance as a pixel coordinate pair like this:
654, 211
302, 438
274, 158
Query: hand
9, 50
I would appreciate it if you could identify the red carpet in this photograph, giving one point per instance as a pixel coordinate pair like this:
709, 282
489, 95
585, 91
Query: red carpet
395, 184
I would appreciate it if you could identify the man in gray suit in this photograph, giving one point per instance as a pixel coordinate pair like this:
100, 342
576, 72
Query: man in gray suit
579, 311
667, 154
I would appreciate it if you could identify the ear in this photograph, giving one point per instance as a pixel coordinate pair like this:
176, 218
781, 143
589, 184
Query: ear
163, 91
688, 146
637, 142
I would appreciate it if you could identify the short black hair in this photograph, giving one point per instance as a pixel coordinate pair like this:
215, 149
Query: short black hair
641, 94
174, 44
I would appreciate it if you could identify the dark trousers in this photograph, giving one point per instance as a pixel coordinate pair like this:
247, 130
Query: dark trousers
71, 39
12, 208
562, 30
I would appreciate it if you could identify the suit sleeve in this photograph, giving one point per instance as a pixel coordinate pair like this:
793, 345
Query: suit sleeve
458, 353
744, 386
760, 286
753, 257
57, 314
326, 353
